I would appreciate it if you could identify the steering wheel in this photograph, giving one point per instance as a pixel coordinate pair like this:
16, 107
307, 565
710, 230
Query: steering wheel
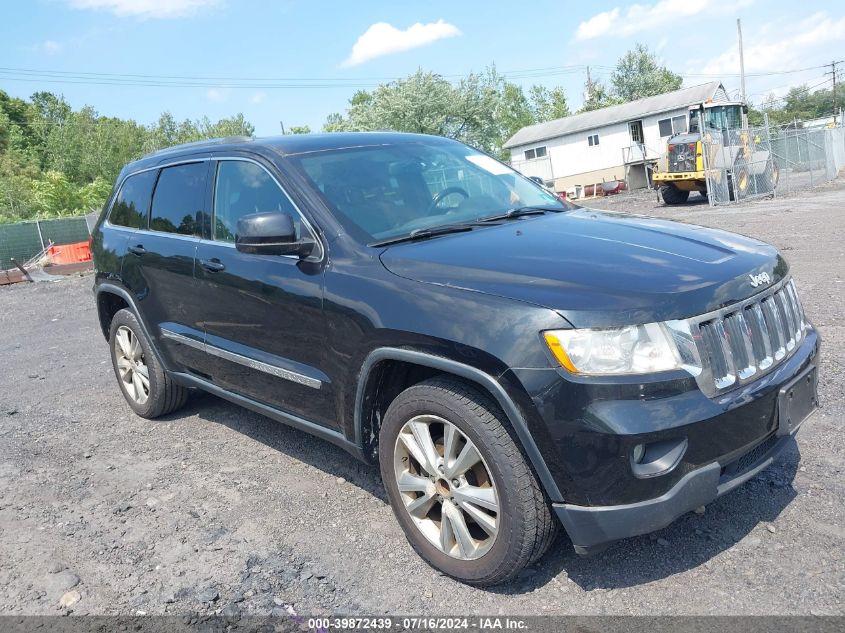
442, 194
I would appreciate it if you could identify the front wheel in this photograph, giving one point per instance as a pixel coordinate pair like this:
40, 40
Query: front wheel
672, 195
459, 485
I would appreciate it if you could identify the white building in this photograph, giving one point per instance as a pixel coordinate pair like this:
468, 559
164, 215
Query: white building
614, 143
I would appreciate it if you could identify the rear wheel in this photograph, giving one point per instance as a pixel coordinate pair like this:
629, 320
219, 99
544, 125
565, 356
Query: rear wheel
459, 486
768, 180
672, 195
145, 385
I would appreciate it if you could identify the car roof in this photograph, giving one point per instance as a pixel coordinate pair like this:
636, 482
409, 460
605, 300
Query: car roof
288, 145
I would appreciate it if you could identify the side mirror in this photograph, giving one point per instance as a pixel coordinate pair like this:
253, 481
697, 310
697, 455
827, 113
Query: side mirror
745, 108
271, 233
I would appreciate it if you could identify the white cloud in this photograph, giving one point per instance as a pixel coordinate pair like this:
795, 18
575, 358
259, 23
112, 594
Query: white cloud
51, 47
215, 94
643, 17
597, 25
780, 46
383, 39
145, 8
258, 97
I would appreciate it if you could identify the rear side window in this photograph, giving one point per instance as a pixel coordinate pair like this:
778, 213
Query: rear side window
132, 204
243, 188
179, 198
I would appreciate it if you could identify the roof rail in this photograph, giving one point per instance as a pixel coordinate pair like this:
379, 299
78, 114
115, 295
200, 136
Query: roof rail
203, 143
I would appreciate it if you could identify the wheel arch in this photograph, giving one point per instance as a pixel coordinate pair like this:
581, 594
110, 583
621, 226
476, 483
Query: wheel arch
112, 298
372, 379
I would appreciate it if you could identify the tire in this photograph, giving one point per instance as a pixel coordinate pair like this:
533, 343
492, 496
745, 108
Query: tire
672, 195
767, 182
151, 396
525, 525
741, 178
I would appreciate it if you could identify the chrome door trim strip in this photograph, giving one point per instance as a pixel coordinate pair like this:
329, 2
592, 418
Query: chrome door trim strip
267, 368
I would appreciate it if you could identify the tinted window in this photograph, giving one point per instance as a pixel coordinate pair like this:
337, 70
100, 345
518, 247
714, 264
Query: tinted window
665, 127
133, 202
178, 200
244, 188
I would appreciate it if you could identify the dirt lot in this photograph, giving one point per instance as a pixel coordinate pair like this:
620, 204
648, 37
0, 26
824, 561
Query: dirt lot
217, 508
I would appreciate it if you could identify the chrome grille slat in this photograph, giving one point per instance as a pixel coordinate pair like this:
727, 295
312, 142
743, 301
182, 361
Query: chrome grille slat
788, 319
796, 307
760, 333
729, 376
741, 345
775, 324
742, 342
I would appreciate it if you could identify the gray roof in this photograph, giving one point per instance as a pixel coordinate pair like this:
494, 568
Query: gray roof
615, 114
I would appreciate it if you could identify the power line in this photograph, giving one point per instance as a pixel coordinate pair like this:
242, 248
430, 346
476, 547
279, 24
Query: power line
32, 75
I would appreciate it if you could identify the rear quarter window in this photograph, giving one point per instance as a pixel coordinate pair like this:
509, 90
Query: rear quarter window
179, 199
132, 203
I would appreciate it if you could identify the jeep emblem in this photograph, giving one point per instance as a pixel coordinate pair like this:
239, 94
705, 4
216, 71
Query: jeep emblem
759, 280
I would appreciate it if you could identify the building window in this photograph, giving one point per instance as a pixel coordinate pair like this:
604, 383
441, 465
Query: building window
675, 125
537, 152
593, 139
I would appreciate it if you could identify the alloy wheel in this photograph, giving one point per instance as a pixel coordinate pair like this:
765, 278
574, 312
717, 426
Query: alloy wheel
133, 370
446, 487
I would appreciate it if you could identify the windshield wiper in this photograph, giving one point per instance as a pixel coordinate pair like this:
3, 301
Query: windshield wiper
519, 212
421, 234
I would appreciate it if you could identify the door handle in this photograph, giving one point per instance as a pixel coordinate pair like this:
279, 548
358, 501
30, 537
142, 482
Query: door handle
138, 249
212, 265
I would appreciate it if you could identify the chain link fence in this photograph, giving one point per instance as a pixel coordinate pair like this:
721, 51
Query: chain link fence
24, 240
756, 162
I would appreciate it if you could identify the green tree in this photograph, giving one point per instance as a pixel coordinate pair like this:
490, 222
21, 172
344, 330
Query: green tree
475, 111
548, 104
638, 74
55, 161
299, 129
598, 96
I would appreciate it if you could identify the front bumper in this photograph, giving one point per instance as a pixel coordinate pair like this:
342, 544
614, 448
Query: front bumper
590, 428
591, 529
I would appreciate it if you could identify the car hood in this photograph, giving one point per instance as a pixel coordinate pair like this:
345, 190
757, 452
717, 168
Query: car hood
596, 268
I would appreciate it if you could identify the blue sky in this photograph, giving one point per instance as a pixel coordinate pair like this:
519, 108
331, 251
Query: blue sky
297, 61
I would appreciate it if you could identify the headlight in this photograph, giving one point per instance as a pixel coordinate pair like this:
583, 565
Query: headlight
633, 349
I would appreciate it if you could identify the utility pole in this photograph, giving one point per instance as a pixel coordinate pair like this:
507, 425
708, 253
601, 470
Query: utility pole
741, 59
832, 73
589, 85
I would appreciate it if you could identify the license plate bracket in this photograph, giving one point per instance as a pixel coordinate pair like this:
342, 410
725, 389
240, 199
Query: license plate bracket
797, 400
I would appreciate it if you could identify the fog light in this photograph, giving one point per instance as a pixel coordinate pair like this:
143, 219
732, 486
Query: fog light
657, 458
639, 453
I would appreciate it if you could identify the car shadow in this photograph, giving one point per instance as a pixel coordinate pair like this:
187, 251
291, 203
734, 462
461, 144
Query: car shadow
299, 445
692, 540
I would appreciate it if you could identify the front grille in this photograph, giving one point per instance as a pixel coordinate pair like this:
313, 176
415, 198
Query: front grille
750, 459
745, 341
682, 157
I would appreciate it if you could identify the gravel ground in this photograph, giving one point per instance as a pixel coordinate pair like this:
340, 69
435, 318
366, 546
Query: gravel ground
219, 509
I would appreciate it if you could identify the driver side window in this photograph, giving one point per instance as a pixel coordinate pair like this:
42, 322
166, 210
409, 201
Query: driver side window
242, 188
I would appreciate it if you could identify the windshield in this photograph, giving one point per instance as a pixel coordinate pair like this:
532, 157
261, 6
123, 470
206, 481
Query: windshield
724, 117
389, 191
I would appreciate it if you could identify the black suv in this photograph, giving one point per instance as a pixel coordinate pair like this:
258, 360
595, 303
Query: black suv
511, 361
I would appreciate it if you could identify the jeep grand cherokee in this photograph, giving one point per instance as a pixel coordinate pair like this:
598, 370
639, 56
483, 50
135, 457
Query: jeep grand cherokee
511, 362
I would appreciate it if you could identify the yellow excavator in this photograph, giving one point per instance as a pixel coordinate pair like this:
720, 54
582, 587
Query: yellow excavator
733, 158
